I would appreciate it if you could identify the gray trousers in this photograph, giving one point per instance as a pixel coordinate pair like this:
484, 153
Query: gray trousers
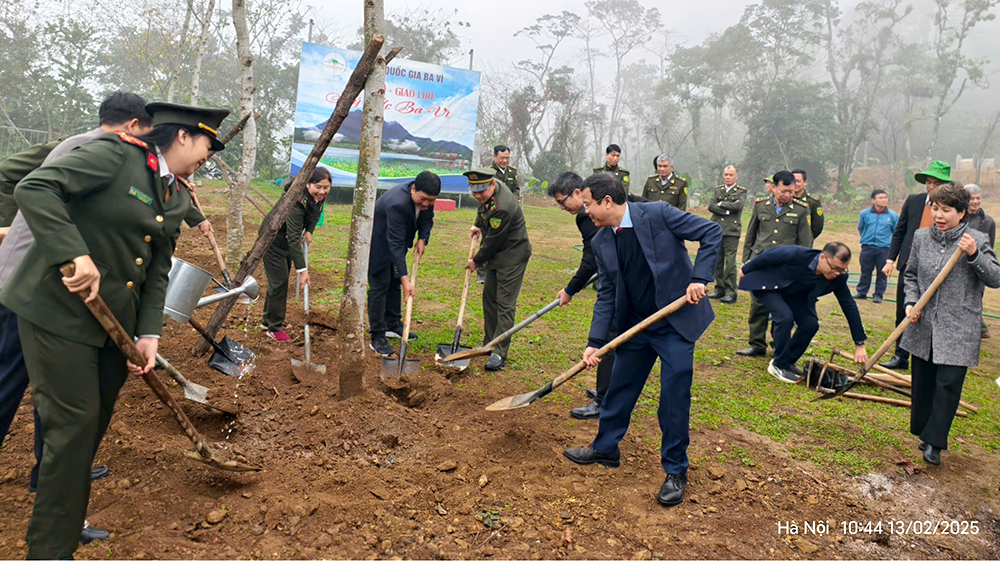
503, 285
725, 267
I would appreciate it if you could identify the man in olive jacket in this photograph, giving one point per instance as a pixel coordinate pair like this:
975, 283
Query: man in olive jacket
504, 251
726, 206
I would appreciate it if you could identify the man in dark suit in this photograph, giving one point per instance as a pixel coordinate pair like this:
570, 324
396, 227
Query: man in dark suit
916, 214
566, 191
643, 266
788, 281
401, 213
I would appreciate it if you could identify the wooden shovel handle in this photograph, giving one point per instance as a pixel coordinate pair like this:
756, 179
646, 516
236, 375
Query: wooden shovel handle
409, 299
948, 267
465, 288
211, 238
623, 338
124, 342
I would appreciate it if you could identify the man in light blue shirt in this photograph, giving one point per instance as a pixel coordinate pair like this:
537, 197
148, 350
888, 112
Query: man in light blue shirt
875, 225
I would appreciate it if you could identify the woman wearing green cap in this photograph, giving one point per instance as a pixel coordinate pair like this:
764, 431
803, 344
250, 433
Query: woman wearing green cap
113, 208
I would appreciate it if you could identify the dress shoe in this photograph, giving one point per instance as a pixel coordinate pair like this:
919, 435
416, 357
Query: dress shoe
716, 295
984, 334
932, 455
672, 491
860, 297
495, 363
876, 300
591, 394
97, 473
751, 351
589, 412
588, 455
728, 300
90, 533
896, 363
922, 446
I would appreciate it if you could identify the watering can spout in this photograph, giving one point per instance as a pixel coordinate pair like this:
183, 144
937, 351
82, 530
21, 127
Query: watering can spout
250, 287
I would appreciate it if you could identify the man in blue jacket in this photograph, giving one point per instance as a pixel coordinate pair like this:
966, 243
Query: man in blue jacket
401, 213
875, 225
643, 266
788, 281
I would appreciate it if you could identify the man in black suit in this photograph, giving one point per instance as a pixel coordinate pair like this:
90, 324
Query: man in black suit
788, 281
566, 191
916, 214
644, 266
400, 213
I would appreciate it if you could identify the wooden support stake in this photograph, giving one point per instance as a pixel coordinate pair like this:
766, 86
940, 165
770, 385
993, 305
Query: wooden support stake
889, 401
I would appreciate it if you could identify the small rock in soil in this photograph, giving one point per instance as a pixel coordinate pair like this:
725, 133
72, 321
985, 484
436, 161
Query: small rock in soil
449, 465
216, 516
806, 546
642, 555
715, 472
441, 510
483, 480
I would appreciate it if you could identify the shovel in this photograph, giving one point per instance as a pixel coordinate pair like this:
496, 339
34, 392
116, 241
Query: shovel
192, 391
302, 370
215, 245
107, 319
229, 355
948, 267
485, 349
446, 349
396, 368
525, 399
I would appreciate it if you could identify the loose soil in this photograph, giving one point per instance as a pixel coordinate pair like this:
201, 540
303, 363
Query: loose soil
420, 470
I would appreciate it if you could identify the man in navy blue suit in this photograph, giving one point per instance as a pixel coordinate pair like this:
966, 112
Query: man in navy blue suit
643, 266
788, 281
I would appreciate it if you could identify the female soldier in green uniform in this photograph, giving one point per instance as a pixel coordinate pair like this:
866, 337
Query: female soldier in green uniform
286, 251
113, 208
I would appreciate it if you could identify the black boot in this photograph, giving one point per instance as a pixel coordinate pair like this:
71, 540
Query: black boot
932, 455
672, 491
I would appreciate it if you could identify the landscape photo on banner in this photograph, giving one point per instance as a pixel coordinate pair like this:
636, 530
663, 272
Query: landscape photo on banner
430, 118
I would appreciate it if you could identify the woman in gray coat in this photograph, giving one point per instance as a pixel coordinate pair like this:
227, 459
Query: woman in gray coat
944, 337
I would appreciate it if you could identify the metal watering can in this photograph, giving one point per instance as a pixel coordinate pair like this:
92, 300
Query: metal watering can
187, 285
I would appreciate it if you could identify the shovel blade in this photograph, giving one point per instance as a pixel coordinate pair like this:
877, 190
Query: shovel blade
301, 371
445, 350
522, 400
390, 368
230, 357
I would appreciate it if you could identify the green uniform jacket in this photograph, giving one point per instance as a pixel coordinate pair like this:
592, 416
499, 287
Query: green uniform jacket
504, 232
815, 213
727, 209
674, 192
509, 177
303, 217
769, 229
12, 170
104, 199
619, 173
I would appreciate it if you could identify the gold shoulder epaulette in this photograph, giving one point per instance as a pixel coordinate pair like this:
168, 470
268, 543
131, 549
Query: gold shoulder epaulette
512, 168
623, 170
651, 176
132, 140
762, 199
186, 184
741, 188
801, 201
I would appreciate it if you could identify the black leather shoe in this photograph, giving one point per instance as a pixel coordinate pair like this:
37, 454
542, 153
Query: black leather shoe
589, 412
588, 455
90, 533
922, 446
932, 455
716, 295
591, 394
751, 351
495, 363
876, 300
672, 491
860, 297
896, 363
97, 473
728, 300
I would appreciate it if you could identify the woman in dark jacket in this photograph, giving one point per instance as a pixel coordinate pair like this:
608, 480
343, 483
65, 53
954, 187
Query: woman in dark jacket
286, 251
944, 337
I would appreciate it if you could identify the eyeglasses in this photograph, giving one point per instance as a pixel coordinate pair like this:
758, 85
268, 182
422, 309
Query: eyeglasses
561, 202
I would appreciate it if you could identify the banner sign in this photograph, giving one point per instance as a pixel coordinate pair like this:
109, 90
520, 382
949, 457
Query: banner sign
430, 118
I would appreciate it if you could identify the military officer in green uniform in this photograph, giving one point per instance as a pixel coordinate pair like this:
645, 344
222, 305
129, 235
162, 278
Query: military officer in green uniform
777, 220
612, 154
112, 207
14, 168
504, 252
504, 171
815, 205
666, 186
726, 206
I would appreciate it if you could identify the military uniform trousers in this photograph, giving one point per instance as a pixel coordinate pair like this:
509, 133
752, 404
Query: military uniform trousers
13, 383
277, 266
75, 389
936, 393
633, 363
789, 311
725, 267
503, 285
384, 298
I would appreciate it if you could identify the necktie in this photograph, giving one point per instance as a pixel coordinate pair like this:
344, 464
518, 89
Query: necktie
925, 219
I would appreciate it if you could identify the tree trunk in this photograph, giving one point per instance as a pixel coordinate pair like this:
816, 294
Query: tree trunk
175, 71
234, 220
352, 328
280, 212
200, 53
